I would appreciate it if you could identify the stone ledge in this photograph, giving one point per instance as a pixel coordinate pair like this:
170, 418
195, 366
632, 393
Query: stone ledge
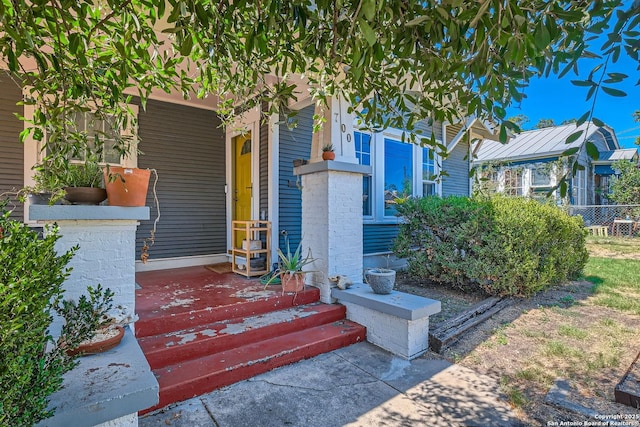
333, 166
105, 387
83, 212
398, 304
397, 322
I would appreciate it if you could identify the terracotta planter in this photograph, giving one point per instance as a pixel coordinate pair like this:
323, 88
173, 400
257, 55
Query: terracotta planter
85, 195
127, 186
328, 155
292, 282
95, 346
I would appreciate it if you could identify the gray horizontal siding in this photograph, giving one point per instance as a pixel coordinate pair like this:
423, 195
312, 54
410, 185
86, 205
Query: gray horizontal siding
294, 144
187, 147
427, 130
457, 166
379, 237
11, 150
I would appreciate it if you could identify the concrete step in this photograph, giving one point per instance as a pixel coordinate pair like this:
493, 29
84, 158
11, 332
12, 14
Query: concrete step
171, 318
176, 347
205, 374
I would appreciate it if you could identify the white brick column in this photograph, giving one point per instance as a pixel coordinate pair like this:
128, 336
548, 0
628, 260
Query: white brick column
106, 237
332, 221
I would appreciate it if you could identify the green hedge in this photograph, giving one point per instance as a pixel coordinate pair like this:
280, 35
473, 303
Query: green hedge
32, 363
31, 280
503, 245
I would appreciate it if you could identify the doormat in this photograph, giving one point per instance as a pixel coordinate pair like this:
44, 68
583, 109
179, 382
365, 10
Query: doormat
222, 268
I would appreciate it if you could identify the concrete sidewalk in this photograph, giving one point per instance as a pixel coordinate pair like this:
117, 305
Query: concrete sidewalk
360, 385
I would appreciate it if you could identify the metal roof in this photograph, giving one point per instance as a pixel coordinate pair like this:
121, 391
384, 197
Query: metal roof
615, 155
541, 143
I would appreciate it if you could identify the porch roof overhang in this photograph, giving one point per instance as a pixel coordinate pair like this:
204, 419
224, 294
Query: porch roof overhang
476, 129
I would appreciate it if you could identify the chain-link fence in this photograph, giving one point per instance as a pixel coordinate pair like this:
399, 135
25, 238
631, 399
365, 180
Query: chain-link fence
621, 220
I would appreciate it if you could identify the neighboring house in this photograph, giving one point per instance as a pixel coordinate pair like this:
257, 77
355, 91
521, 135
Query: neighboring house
209, 176
531, 163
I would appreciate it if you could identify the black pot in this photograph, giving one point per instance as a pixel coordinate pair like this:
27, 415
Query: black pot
85, 195
39, 198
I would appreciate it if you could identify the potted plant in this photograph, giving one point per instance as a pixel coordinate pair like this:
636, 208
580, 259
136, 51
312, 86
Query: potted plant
126, 186
290, 269
102, 326
328, 153
48, 188
84, 183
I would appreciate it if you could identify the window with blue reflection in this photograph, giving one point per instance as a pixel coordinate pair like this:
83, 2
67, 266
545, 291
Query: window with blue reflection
398, 173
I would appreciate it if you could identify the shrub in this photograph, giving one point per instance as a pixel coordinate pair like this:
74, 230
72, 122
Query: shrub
31, 278
503, 245
31, 362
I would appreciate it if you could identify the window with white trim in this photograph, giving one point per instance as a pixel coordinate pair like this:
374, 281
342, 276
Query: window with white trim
513, 182
399, 170
579, 188
540, 177
429, 187
363, 154
101, 139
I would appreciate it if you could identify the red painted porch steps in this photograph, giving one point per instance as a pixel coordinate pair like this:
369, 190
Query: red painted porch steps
196, 352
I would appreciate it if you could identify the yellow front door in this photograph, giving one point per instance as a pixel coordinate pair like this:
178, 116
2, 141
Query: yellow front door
242, 185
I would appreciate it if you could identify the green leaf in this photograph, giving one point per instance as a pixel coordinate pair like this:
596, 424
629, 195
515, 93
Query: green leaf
74, 42
503, 133
563, 188
417, 21
368, 32
596, 121
542, 36
613, 92
573, 137
583, 83
592, 150
369, 9
583, 118
186, 46
570, 151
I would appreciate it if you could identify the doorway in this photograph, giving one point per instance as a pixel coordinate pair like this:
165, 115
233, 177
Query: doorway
242, 196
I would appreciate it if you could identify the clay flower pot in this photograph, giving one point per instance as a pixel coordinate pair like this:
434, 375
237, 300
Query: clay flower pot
292, 281
328, 155
127, 186
105, 339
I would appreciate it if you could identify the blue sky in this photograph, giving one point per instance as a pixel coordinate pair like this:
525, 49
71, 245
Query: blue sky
559, 99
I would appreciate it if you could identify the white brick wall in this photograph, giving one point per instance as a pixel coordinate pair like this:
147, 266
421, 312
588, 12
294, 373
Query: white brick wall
332, 226
405, 338
106, 256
